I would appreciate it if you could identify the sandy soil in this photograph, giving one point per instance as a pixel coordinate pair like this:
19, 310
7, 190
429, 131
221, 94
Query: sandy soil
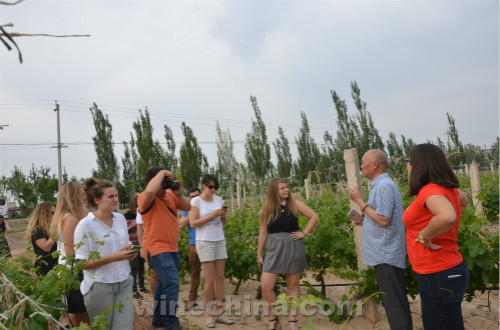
481, 313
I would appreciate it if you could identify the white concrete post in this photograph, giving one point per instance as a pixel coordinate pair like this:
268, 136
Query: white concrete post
475, 185
238, 195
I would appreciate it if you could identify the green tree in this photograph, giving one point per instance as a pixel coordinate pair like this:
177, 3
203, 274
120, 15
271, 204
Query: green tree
398, 152
329, 168
192, 160
283, 155
130, 161
22, 190
257, 150
369, 137
132, 179
356, 131
107, 165
226, 162
150, 153
493, 152
346, 129
170, 158
308, 150
455, 149
45, 184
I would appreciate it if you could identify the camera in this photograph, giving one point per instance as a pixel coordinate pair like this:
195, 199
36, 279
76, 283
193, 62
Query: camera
167, 184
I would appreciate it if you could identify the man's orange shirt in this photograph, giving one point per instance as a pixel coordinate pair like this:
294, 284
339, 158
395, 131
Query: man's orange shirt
161, 229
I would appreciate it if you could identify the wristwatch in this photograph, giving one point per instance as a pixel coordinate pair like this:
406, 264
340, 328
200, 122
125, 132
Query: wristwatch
421, 239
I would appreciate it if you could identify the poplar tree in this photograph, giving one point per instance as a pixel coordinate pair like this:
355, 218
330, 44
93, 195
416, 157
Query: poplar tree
257, 150
170, 158
132, 179
107, 165
397, 152
192, 161
226, 162
455, 150
283, 155
308, 150
369, 137
149, 150
356, 131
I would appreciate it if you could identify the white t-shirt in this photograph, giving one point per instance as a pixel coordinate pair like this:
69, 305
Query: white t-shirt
138, 218
212, 230
91, 230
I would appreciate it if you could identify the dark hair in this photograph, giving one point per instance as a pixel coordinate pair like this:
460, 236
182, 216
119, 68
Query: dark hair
151, 173
206, 178
194, 189
94, 188
133, 204
430, 165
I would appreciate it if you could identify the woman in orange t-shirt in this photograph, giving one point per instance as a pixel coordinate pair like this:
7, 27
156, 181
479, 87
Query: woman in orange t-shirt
432, 222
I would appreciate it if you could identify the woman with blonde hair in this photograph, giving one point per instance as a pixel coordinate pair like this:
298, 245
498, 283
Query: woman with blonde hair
69, 210
285, 250
38, 233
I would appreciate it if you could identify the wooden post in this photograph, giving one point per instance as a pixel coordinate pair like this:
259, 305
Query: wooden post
238, 195
475, 185
492, 168
466, 169
370, 308
307, 186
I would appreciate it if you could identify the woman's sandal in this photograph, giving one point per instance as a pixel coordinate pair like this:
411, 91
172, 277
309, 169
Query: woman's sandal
295, 321
277, 325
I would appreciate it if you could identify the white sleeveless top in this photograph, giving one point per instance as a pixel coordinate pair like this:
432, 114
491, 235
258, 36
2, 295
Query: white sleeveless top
60, 243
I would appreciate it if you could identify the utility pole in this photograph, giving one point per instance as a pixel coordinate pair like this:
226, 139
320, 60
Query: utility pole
59, 146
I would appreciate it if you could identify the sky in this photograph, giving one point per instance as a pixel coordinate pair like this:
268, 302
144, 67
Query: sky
200, 61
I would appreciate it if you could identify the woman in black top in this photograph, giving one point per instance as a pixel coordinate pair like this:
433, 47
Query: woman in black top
4, 245
38, 232
285, 250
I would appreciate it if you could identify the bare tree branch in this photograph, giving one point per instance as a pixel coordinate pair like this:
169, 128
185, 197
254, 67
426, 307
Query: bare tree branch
15, 34
10, 3
4, 33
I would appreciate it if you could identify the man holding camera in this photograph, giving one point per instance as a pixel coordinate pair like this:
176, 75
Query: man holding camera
158, 204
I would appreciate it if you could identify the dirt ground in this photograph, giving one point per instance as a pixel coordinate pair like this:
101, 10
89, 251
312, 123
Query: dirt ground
480, 313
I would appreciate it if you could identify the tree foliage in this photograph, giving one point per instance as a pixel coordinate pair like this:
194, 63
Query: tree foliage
283, 155
107, 165
308, 151
192, 160
257, 149
149, 150
226, 162
355, 131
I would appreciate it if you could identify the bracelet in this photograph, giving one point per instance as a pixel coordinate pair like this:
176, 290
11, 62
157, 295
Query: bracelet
260, 257
304, 234
364, 207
